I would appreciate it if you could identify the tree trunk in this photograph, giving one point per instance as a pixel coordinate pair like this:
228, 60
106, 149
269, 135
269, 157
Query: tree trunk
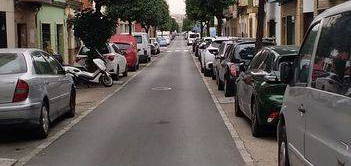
260, 26
155, 31
208, 28
219, 26
201, 30
130, 24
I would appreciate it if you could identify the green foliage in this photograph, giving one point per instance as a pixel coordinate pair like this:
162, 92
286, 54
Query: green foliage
188, 24
93, 28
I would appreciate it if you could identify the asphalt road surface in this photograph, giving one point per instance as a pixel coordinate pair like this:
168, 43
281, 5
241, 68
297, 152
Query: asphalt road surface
163, 117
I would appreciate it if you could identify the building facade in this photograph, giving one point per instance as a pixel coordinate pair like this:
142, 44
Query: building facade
7, 24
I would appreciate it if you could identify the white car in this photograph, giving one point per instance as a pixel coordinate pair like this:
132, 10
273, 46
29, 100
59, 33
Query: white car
144, 49
192, 37
208, 55
116, 63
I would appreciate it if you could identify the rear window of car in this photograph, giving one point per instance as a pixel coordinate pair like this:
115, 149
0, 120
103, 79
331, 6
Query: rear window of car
123, 46
217, 44
12, 64
245, 51
139, 39
194, 35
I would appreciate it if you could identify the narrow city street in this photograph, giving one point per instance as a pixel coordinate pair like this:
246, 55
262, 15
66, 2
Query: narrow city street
164, 116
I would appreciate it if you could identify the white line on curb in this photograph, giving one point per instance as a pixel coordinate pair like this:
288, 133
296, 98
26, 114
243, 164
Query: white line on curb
22, 161
233, 132
7, 162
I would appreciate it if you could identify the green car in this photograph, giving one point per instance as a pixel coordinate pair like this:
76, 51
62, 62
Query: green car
259, 89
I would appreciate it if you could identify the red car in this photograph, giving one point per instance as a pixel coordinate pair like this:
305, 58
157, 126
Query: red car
128, 46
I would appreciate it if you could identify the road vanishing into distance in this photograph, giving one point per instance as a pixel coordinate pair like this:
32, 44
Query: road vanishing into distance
165, 116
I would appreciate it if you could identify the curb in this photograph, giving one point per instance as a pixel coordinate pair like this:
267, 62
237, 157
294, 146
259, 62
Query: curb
22, 161
7, 162
233, 132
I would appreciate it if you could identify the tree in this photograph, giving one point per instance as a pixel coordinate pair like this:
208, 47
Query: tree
154, 13
197, 10
188, 24
174, 25
216, 7
260, 27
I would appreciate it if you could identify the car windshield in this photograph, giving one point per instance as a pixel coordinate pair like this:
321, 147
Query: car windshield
139, 39
12, 64
123, 46
245, 51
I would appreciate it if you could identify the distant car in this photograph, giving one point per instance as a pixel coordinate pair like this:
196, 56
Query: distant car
116, 63
208, 55
168, 39
34, 90
128, 45
155, 46
192, 37
315, 119
144, 49
219, 57
239, 55
161, 41
260, 92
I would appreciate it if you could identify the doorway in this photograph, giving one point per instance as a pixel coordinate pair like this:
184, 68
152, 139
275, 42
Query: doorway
59, 38
46, 37
290, 30
3, 32
22, 35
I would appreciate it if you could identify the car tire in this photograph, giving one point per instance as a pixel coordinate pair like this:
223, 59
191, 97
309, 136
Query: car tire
237, 111
220, 85
283, 152
116, 76
227, 92
207, 73
125, 73
72, 104
214, 76
256, 128
42, 130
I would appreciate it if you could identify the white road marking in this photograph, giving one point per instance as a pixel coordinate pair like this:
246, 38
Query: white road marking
7, 162
233, 132
22, 161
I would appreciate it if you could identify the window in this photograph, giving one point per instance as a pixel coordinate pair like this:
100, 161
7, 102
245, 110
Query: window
269, 62
258, 60
84, 51
56, 68
305, 54
3, 32
245, 51
115, 48
46, 37
12, 64
40, 64
332, 64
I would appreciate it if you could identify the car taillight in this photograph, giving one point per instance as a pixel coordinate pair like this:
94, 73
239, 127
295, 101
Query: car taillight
21, 91
234, 70
110, 57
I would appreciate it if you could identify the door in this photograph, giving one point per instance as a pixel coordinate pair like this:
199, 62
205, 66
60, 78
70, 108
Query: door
22, 35
44, 71
297, 99
3, 32
62, 82
328, 136
59, 38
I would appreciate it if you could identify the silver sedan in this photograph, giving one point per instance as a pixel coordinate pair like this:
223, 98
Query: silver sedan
34, 90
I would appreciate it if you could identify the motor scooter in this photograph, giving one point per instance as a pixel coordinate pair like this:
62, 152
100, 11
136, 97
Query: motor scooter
99, 76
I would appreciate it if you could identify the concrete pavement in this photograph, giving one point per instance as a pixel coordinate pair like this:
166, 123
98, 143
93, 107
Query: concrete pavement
164, 116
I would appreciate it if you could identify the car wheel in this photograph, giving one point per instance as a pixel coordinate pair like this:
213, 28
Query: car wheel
72, 104
207, 73
42, 130
283, 153
227, 92
213, 75
125, 73
220, 85
237, 111
116, 76
256, 128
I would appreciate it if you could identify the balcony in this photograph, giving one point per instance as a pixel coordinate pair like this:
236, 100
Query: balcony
36, 1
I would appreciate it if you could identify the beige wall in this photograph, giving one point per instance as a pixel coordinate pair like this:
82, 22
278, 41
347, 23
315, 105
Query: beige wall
8, 7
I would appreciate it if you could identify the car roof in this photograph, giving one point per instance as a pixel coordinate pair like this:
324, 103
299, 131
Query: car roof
341, 8
18, 50
284, 50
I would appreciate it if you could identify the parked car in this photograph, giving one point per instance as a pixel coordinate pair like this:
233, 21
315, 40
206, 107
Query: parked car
198, 41
162, 41
128, 47
34, 90
168, 39
260, 92
116, 63
192, 37
218, 58
314, 122
208, 55
239, 54
155, 47
144, 50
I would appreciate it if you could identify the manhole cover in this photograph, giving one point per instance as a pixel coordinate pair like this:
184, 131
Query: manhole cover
161, 88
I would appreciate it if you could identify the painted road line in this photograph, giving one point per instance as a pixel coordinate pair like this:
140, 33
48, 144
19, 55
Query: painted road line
22, 161
233, 132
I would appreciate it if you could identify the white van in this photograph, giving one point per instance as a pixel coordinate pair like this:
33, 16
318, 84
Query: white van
192, 37
144, 50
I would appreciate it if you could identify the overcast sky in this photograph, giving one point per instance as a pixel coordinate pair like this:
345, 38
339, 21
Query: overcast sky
176, 6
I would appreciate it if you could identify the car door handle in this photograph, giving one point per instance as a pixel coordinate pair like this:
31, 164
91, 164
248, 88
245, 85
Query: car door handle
301, 109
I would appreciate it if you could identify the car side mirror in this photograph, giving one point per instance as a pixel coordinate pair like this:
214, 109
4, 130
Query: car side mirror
286, 72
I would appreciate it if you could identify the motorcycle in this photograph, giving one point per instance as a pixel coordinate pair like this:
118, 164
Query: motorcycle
99, 76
